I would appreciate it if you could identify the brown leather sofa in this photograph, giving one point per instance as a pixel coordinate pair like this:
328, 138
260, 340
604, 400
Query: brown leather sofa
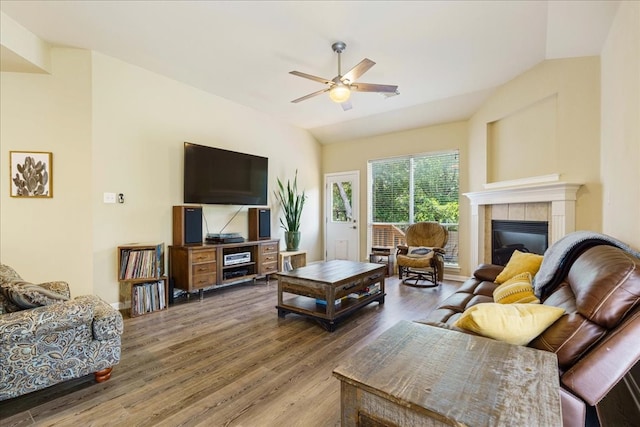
597, 340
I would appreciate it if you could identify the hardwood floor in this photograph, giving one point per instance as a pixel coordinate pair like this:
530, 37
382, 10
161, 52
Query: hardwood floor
225, 361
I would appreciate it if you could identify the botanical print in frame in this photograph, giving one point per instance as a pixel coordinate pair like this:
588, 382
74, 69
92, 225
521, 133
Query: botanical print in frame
31, 174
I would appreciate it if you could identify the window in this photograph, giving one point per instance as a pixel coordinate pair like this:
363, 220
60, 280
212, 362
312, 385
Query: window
405, 190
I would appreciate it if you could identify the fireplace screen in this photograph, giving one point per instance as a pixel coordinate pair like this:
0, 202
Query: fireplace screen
525, 236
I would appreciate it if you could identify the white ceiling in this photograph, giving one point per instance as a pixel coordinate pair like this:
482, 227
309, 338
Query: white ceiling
445, 56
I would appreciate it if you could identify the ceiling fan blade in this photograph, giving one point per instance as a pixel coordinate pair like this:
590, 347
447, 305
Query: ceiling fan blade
310, 77
353, 74
370, 87
311, 95
346, 105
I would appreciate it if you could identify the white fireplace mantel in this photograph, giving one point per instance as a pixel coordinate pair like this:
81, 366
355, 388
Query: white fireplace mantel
561, 195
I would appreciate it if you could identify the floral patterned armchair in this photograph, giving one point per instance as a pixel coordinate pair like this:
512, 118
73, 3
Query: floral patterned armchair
46, 337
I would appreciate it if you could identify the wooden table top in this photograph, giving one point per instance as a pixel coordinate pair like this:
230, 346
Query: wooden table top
332, 271
451, 375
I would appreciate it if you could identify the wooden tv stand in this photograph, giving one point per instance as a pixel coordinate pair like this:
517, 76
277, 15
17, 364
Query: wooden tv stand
196, 267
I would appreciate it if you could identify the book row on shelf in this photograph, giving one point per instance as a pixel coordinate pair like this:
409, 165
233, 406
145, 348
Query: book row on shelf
148, 297
139, 264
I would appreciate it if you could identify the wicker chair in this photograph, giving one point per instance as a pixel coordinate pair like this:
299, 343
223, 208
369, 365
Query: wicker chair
421, 260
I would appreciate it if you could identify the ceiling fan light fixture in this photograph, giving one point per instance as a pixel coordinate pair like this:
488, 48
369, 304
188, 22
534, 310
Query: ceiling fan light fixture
339, 93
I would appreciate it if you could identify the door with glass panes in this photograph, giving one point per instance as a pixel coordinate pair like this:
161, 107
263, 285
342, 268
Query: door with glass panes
342, 228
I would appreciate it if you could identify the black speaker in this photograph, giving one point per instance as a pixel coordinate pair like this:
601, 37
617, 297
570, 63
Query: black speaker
187, 225
259, 223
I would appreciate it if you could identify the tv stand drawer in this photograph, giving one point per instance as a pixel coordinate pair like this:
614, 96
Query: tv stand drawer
209, 267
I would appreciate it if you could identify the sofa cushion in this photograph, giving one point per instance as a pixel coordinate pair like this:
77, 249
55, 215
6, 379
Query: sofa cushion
520, 262
25, 295
513, 323
420, 252
518, 289
7, 274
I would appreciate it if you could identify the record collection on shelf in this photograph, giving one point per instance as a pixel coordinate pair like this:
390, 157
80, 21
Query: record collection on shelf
143, 286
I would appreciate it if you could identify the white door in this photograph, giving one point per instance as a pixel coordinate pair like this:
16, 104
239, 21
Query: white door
342, 228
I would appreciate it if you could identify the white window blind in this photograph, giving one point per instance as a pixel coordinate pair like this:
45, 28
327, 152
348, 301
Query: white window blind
424, 187
416, 188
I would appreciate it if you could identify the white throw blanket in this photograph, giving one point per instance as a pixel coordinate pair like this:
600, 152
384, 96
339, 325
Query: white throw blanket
560, 255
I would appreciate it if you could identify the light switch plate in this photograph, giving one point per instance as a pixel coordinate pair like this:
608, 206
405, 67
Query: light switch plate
109, 197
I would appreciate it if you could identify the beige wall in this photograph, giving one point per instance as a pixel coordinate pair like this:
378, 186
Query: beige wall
118, 128
50, 239
141, 120
620, 144
564, 96
354, 155
523, 144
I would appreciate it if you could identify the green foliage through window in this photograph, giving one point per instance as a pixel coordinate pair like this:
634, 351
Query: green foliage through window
416, 188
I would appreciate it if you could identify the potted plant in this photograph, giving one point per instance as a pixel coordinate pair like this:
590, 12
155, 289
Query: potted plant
292, 203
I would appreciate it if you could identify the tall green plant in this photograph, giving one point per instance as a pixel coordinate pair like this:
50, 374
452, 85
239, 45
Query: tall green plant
292, 203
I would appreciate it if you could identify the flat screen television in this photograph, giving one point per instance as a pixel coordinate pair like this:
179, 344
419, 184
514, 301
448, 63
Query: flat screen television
222, 177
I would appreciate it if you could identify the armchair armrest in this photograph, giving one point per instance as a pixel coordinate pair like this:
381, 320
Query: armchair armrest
104, 321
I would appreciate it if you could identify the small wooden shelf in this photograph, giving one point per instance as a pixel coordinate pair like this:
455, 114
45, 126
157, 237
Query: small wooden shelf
144, 288
296, 258
309, 306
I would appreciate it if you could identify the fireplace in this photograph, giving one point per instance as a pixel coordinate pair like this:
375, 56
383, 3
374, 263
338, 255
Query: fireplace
559, 196
524, 236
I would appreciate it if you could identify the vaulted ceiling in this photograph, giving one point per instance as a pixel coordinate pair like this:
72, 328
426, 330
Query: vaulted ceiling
445, 56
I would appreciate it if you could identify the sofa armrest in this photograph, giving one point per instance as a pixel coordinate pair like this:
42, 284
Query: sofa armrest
488, 272
593, 376
107, 321
31, 324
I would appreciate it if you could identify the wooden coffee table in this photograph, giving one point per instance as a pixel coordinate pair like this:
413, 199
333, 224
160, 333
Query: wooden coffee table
313, 290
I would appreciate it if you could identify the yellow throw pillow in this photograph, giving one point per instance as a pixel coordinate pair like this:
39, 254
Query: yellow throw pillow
520, 262
516, 290
513, 323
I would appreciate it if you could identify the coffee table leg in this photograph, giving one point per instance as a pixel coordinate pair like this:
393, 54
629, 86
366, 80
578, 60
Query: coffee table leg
282, 313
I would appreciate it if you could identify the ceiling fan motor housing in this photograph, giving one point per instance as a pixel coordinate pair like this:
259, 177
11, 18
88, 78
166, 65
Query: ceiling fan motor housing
339, 47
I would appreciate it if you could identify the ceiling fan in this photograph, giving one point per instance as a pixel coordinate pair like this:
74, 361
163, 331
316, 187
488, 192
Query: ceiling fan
340, 86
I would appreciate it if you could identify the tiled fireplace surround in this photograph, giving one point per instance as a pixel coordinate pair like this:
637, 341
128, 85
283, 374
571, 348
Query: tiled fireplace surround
523, 200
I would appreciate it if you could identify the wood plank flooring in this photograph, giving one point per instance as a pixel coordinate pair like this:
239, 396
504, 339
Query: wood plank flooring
225, 361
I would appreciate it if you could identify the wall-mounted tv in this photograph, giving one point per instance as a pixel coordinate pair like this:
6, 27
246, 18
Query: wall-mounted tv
216, 176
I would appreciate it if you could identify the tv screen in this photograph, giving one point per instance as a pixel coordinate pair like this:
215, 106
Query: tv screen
223, 177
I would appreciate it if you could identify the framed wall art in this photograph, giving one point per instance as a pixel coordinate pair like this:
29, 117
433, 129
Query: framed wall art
31, 173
